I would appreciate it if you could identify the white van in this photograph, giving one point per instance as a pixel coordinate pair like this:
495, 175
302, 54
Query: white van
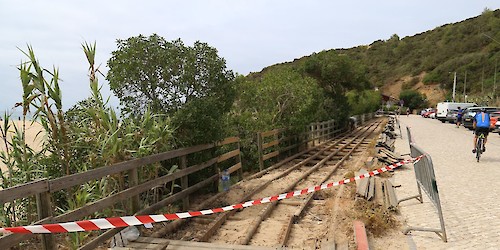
443, 107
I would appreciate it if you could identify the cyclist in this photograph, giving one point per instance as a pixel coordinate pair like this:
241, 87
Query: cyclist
459, 116
482, 126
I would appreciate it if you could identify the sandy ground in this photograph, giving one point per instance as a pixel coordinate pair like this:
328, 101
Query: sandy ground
32, 129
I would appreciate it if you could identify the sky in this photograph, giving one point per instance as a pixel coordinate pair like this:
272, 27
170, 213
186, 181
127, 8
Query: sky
249, 35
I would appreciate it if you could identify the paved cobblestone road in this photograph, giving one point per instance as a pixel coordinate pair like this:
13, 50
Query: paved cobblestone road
469, 191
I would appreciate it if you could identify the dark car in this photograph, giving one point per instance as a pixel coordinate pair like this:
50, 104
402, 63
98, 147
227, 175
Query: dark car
469, 113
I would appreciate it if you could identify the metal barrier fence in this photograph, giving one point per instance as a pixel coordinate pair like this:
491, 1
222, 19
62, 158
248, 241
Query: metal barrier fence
426, 180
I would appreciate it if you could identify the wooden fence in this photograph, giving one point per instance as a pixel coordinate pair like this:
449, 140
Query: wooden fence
228, 158
278, 143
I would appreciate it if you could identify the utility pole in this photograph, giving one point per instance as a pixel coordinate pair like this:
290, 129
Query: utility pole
495, 81
454, 85
465, 86
482, 83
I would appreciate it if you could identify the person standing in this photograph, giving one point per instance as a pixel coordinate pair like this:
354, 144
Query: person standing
460, 113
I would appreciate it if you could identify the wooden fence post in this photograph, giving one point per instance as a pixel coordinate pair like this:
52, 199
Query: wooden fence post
260, 151
44, 210
134, 181
240, 171
318, 132
184, 183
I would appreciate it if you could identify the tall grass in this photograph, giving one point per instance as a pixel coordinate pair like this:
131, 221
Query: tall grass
89, 135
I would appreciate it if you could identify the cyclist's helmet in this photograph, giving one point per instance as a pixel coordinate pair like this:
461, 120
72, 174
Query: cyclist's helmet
483, 109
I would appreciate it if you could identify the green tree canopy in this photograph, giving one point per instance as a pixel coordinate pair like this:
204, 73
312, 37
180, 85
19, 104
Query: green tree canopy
413, 99
280, 98
190, 84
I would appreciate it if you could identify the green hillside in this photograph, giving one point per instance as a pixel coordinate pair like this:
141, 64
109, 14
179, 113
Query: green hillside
470, 47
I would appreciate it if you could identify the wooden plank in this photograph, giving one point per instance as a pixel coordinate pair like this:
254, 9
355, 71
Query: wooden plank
8, 241
303, 206
260, 151
24, 190
234, 168
270, 155
229, 155
393, 201
285, 149
44, 210
291, 202
271, 132
362, 184
371, 188
369, 162
184, 183
228, 141
134, 181
215, 225
139, 245
80, 178
152, 240
270, 144
286, 228
178, 244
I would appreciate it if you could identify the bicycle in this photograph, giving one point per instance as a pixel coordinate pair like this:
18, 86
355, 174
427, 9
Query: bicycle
479, 146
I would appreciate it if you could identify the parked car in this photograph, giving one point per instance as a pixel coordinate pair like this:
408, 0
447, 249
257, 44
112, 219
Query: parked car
495, 121
451, 116
423, 111
469, 113
429, 113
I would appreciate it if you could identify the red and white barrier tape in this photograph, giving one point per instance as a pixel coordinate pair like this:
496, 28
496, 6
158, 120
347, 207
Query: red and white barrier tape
115, 222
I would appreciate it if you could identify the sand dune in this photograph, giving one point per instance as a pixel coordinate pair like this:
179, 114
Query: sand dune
32, 129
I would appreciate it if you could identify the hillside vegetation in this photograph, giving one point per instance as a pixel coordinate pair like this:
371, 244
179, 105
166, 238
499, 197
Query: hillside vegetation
427, 61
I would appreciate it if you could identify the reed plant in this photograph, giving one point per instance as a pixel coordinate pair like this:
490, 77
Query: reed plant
89, 135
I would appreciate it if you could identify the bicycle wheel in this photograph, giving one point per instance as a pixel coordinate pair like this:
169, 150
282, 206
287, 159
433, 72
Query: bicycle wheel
479, 148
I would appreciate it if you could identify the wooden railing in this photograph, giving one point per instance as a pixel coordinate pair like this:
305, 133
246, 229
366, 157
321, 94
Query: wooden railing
277, 144
43, 189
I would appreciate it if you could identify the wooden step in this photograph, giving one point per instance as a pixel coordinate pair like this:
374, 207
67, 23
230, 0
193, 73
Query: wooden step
158, 243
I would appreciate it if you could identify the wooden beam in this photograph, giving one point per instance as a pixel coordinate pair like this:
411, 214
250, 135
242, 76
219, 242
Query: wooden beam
270, 155
24, 190
228, 155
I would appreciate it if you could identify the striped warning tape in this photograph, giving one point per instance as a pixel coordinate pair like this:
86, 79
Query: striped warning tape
116, 222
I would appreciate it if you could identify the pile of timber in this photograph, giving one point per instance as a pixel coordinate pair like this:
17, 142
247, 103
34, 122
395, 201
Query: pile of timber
376, 189
385, 145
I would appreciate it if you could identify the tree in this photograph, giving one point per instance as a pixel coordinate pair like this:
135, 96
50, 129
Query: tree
189, 84
336, 74
413, 99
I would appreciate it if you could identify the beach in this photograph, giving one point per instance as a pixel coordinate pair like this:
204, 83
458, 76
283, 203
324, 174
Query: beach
33, 136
